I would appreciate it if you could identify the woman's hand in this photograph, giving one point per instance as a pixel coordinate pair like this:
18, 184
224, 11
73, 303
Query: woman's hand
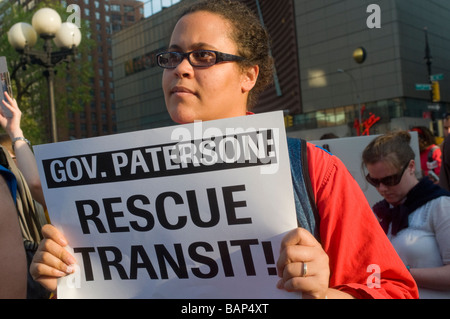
51, 260
300, 248
11, 125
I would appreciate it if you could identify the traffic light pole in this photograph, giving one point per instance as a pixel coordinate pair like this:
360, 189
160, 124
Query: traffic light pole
428, 60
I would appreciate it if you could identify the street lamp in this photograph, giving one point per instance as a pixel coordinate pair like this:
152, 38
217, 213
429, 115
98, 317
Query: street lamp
47, 24
357, 97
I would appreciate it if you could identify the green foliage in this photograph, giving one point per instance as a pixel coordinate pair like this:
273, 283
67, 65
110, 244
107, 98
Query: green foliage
72, 81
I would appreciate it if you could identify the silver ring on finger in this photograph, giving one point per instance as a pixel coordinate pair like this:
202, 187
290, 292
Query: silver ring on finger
304, 269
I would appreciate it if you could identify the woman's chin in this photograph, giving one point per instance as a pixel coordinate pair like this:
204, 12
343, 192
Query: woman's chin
183, 117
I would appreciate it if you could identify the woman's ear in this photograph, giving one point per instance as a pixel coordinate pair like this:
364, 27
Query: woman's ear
412, 166
249, 78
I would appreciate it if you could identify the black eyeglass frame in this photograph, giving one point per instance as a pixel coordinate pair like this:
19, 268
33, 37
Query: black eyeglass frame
391, 180
220, 57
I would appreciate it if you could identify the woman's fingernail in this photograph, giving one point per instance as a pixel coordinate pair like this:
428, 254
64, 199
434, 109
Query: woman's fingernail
61, 273
70, 260
70, 269
280, 284
63, 242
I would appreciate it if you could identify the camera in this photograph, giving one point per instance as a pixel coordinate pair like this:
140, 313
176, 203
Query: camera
5, 85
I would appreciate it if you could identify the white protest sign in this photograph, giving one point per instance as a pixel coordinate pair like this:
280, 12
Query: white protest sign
191, 211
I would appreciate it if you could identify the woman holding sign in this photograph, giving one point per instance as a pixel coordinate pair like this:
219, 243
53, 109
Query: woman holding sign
217, 63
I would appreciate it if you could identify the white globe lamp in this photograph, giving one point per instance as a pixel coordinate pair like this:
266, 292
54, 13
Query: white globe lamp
46, 21
67, 36
22, 34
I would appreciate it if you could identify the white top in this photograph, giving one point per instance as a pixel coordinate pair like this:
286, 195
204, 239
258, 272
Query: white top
426, 241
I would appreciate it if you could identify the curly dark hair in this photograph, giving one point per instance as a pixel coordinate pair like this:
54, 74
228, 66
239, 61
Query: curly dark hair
426, 137
252, 39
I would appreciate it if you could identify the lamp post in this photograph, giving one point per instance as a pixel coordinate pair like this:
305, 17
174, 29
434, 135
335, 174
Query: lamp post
357, 97
47, 24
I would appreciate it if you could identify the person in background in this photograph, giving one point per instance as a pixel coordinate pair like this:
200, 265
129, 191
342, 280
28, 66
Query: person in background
430, 153
24, 167
217, 63
20, 149
414, 214
30, 204
444, 176
13, 265
328, 136
446, 125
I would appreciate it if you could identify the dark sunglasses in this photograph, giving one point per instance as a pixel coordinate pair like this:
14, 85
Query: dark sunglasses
198, 58
388, 180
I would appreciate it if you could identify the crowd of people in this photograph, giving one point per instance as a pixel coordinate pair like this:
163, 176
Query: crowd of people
216, 64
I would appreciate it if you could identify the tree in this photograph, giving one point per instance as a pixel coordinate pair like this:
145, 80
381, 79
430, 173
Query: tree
72, 89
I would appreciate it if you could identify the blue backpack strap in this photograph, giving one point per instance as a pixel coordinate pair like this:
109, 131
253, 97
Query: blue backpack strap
10, 181
305, 206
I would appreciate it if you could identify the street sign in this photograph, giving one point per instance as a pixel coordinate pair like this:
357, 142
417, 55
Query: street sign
434, 107
436, 77
423, 87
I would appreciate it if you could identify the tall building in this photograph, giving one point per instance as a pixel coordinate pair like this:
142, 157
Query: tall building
285, 94
312, 40
139, 98
105, 17
392, 34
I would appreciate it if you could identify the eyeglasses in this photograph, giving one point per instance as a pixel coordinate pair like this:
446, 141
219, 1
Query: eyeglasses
388, 180
198, 58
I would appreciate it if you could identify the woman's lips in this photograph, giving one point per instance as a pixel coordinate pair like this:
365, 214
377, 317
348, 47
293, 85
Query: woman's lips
181, 90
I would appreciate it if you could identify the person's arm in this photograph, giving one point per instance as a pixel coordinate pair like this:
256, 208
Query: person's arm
362, 261
437, 278
26, 161
13, 265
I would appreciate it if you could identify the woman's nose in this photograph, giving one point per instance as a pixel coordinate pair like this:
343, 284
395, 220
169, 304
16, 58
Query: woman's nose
184, 69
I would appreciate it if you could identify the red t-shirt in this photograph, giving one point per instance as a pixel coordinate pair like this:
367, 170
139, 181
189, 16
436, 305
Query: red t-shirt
356, 245
436, 158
